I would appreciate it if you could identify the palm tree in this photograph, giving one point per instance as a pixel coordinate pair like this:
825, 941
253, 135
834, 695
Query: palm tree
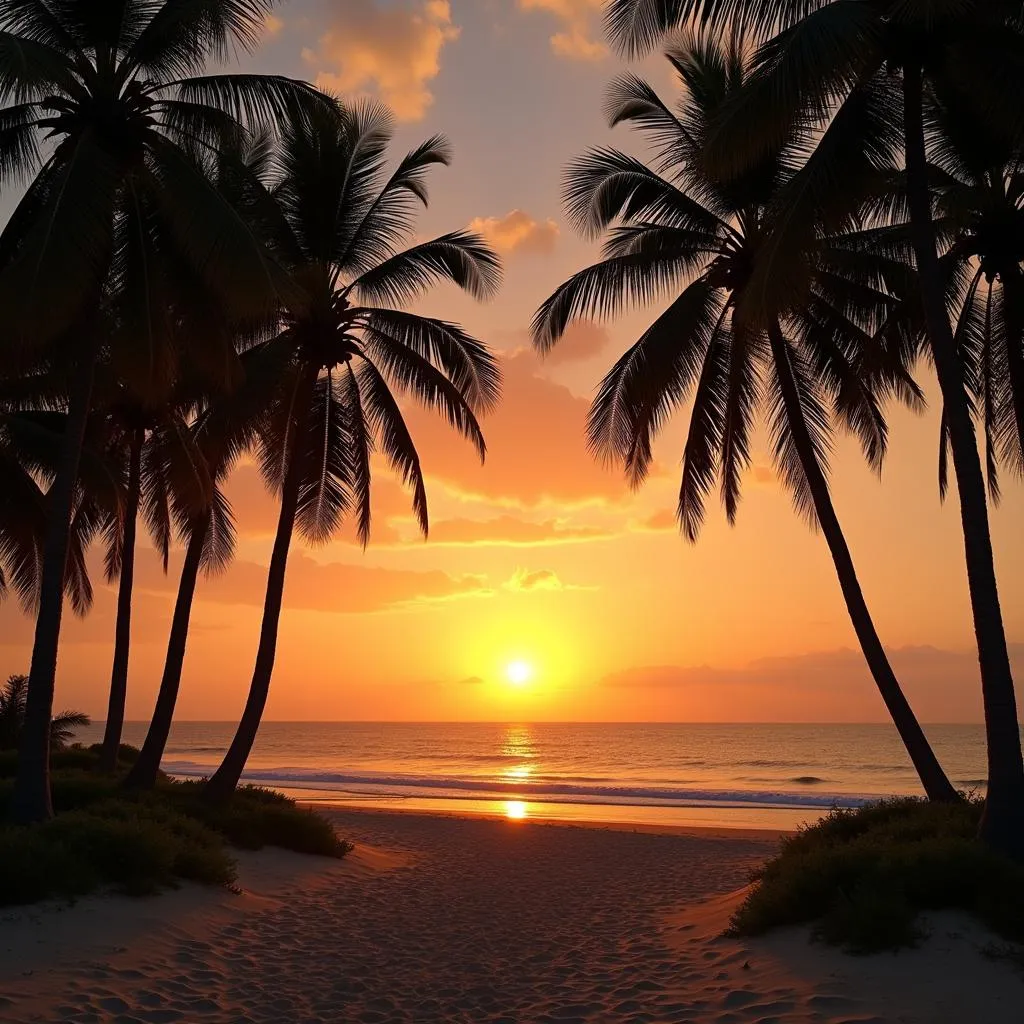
166, 478
827, 55
31, 436
980, 208
343, 353
13, 697
107, 105
814, 362
224, 429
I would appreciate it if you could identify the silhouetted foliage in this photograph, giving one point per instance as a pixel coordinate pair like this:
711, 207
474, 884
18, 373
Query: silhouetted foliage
12, 717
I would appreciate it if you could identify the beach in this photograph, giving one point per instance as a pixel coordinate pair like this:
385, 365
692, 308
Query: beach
436, 918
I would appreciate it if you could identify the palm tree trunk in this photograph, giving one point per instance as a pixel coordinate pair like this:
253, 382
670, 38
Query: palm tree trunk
123, 626
1002, 824
31, 801
936, 785
225, 779
144, 772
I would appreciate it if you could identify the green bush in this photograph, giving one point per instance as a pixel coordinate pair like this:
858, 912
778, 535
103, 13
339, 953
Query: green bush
141, 842
862, 877
128, 846
254, 818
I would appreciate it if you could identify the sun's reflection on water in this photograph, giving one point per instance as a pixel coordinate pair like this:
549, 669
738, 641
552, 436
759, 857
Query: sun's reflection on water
518, 746
516, 810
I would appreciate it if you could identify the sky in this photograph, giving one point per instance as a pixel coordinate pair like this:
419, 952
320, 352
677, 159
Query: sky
544, 557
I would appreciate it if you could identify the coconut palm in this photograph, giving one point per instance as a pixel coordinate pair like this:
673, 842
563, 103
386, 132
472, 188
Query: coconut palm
105, 103
825, 55
344, 351
222, 432
31, 438
224, 429
13, 697
980, 207
167, 480
813, 365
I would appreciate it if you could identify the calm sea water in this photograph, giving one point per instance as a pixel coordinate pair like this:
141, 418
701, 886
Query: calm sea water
767, 776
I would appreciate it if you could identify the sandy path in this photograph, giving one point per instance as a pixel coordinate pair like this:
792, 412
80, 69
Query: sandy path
436, 919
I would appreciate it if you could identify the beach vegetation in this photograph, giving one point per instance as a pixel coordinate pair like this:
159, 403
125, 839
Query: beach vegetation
13, 698
141, 842
865, 878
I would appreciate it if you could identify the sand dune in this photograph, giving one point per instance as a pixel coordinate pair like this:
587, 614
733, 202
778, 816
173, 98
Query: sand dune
441, 919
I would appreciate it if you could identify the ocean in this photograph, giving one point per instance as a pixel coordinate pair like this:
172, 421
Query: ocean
752, 776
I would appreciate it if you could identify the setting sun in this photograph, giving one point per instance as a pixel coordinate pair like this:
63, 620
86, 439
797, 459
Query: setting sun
518, 673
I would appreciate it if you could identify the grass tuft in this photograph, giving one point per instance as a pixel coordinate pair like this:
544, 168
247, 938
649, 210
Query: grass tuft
862, 877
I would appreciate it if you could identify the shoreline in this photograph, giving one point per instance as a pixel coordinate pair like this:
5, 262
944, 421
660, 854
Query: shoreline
329, 810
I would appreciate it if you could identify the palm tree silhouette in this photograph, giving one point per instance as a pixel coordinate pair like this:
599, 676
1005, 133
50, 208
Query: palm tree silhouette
338, 226
812, 365
166, 478
108, 107
13, 696
829, 56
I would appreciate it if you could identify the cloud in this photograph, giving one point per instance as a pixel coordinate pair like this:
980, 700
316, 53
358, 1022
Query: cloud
662, 521
393, 51
580, 25
511, 531
471, 681
324, 587
536, 446
538, 579
272, 26
826, 686
581, 341
517, 231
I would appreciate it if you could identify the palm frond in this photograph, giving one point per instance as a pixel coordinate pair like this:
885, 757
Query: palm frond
462, 257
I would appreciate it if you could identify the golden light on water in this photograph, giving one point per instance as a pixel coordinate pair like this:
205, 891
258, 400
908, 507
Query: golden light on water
515, 809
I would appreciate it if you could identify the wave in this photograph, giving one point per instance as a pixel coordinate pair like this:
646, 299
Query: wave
571, 791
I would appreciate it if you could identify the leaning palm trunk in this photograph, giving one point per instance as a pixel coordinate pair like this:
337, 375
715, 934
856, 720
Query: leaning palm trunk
936, 785
123, 626
143, 774
31, 800
1002, 824
225, 779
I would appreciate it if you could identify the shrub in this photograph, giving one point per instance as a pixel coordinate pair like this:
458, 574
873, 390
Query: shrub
141, 842
254, 818
136, 849
862, 877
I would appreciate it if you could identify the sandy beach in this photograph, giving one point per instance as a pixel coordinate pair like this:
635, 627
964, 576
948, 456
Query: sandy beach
471, 921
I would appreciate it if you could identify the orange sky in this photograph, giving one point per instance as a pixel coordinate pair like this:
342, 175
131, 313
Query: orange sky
543, 555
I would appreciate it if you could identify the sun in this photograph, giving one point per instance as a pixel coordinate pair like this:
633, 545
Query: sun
518, 673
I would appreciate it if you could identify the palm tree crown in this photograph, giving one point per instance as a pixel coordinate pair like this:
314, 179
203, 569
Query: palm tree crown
674, 223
